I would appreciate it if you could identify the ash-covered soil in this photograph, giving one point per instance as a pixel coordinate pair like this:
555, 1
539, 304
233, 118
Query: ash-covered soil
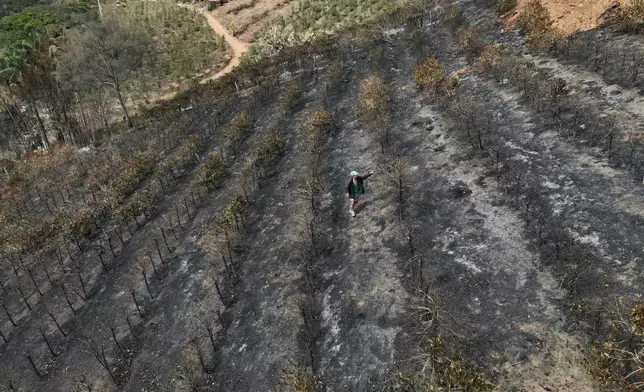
465, 262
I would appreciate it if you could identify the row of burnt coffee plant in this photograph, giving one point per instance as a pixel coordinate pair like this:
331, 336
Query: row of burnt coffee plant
550, 95
174, 220
116, 350
210, 176
241, 175
399, 174
109, 186
116, 360
104, 248
396, 170
624, 148
618, 344
154, 262
569, 259
314, 131
616, 58
94, 226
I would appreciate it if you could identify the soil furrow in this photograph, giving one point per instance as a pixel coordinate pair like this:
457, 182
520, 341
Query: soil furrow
363, 302
626, 105
600, 203
262, 340
177, 337
508, 317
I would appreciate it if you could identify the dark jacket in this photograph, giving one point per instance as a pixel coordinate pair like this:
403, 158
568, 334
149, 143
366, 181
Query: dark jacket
360, 180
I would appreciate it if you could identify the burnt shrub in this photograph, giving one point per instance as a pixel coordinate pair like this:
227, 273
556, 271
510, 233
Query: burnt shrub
504, 6
136, 170
373, 108
255, 166
454, 16
536, 24
288, 99
629, 19
372, 98
430, 77
236, 131
316, 125
491, 60
459, 190
534, 17
268, 147
472, 121
213, 172
471, 41
399, 182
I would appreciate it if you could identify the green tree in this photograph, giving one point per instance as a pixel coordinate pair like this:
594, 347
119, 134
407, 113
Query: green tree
15, 74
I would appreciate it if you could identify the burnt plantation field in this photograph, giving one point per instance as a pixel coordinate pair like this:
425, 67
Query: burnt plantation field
498, 247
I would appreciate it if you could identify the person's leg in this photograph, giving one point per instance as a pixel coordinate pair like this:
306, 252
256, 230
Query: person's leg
353, 204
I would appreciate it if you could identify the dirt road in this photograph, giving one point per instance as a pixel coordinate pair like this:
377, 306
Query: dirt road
239, 47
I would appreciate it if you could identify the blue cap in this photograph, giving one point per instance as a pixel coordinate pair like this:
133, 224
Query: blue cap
354, 173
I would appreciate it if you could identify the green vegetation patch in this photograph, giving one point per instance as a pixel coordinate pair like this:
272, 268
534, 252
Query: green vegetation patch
26, 31
8, 7
185, 44
18, 29
312, 18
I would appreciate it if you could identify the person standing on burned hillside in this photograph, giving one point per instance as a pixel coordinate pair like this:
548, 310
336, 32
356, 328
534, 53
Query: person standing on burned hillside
355, 189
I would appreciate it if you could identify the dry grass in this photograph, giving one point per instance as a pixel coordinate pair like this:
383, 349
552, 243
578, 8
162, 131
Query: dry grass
620, 354
505, 6
313, 18
186, 45
248, 17
430, 77
372, 98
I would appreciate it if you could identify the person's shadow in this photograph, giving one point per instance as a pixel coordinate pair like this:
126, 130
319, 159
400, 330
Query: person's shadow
361, 206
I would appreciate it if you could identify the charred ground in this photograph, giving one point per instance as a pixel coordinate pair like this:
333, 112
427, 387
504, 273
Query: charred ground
498, 245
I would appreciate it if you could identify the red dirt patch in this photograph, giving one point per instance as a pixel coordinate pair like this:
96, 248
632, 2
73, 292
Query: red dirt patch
570, 16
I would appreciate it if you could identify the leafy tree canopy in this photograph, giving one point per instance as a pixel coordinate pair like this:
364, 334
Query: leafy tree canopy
8, 7
22, 32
